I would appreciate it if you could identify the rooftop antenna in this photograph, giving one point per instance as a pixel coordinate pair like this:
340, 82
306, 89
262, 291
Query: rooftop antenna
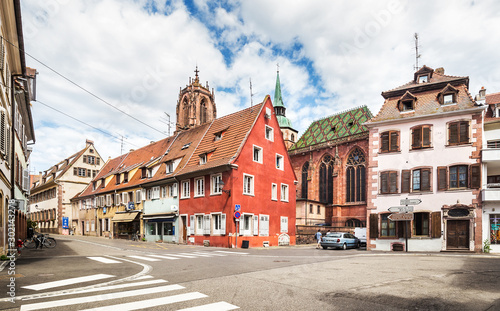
417, 56
121, 147
251, 94
168, 123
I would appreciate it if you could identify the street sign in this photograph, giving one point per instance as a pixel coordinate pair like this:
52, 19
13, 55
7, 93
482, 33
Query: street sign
237, 207
65, 222
237, 215
410, 201
401, 217
401, 209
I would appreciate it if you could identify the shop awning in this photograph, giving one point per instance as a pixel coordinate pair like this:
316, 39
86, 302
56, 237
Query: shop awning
159, 217
125, 217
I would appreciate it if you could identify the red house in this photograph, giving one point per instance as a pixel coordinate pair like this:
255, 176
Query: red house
240, 180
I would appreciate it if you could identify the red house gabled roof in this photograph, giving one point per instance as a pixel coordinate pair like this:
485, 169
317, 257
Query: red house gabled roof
233, 130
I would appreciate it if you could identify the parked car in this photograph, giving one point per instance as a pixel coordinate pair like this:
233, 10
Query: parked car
360, 233
324, 224
339, 240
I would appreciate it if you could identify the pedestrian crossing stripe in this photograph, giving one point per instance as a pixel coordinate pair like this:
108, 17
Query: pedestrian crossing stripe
164, 257
217, 306
144, 258
96, 298
66, 282
149, 303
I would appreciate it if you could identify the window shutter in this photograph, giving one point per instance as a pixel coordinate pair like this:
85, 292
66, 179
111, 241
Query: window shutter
405, 181
442, 178
425, 179
373, 226
75, 171
242, 224
435, 224
3, 131
174, 189
98, 161
255, 225
383, 182
426, 136
26, 179
400, 229
453, 133
84, 159
384, 137
206, 224
223, 224
393, 182
416, 138
475, 176
464, 132
394, 141
191, 224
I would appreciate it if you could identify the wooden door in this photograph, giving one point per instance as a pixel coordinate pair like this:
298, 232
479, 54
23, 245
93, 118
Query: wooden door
457, 234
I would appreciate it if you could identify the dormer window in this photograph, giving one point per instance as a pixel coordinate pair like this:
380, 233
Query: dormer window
407, 102
103, 182
125, 177
423, 79
448, 95
117, 176
169, 167
218, 136
203, 159
144, 172
407, 105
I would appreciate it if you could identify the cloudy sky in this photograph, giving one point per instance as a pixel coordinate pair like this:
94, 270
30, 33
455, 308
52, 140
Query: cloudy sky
102, 61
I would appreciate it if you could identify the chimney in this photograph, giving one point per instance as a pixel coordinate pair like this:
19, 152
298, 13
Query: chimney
439, 70
89, 142
482, 92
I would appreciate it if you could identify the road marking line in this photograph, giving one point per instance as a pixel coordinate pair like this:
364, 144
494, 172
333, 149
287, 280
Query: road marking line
217, 306
226, 252
211, 254
183, 256
69, 281
104, 260
144, 277
149, 303
143, 258
103, 288
164, 257
80, 300
195, 254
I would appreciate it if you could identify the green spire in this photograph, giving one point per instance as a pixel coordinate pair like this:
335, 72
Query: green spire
278, 100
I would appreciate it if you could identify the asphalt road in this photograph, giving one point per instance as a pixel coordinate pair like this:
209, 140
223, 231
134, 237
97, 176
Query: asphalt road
88, 272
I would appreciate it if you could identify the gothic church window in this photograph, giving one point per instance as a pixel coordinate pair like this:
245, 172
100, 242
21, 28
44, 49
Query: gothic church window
356, 177
326, 180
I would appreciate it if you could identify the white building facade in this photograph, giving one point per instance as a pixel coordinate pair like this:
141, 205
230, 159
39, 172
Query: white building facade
425, 145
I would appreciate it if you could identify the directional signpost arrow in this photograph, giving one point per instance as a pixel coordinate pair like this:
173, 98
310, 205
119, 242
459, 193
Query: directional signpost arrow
401, 209
401, 216
410, 201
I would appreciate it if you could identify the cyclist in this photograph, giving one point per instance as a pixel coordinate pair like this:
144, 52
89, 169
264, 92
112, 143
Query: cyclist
39, 240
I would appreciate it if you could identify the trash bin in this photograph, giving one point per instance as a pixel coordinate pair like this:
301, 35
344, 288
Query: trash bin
244, 244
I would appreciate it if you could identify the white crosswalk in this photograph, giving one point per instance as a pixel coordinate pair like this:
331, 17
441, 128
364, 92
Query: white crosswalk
170, 256
112, 300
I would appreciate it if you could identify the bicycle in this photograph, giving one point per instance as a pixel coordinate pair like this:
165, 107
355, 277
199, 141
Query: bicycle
43, 240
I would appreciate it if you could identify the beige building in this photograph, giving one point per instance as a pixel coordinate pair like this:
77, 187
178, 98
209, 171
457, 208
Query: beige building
50, 204
16, 125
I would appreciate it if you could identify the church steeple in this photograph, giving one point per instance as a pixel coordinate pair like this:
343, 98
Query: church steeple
289, 134
196, 105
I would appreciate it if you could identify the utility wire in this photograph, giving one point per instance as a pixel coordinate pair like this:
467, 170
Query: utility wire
95, 128
82, 88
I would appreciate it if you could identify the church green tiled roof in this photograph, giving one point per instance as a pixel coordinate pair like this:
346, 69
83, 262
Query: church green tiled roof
336, 127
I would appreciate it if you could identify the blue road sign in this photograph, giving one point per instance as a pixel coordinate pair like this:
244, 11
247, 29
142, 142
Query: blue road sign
237, 207
237, 215
65, 223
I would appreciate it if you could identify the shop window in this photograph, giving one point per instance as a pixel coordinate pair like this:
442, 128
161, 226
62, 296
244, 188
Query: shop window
495, 228
421, 224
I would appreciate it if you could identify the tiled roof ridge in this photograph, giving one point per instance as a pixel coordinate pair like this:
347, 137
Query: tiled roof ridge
412, 83
342, 112
386, 100
243, 141
194, 149
492, 95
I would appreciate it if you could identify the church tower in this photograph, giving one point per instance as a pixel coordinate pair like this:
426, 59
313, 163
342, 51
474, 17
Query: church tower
196, 105
289, 133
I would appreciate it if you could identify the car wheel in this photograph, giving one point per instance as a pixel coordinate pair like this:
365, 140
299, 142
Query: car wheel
325, 247
344, 247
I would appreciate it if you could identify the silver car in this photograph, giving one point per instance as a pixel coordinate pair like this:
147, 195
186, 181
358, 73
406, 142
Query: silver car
339, 240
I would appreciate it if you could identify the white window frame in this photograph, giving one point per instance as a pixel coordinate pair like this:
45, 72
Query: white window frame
118, 199
198, 226
199, 187
447, 96
218, 223
155, 193
260, 154
163, 192
138, 196
252, 182
215, 189
283, 221
271, 133
280, 162
169, 167
263, 225
203, 159
108, 199
172, 190
243, 224
185, 194
124, 198
284, 192
274, 192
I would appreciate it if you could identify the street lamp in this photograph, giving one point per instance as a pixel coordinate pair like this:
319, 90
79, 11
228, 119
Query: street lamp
221, 184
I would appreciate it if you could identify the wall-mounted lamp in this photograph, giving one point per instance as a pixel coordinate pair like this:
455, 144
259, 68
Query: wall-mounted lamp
221, 184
